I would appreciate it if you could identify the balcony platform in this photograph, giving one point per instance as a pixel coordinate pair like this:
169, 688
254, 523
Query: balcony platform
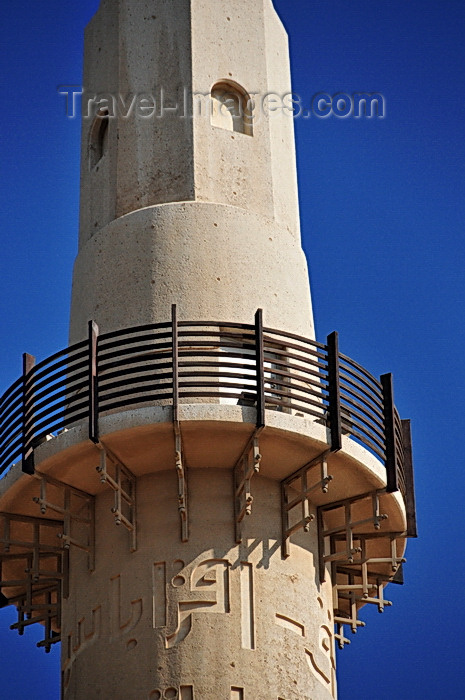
182, 397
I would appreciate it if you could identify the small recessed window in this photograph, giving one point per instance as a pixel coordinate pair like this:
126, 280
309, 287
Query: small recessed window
231, 108
98, 143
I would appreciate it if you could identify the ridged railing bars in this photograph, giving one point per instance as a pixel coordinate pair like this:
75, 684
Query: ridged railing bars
202, 361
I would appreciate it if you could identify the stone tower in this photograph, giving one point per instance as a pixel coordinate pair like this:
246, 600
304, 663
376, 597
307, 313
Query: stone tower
206, 495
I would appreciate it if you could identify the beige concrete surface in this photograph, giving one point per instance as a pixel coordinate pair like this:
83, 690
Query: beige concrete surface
216, 262
205, 615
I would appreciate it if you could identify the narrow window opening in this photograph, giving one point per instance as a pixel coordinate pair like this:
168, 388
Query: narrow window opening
98, 143
231, 108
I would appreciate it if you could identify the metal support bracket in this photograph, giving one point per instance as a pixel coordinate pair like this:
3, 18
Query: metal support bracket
347, 529
182, 482
30, 560
122, 481
76, 509
297, 483
349, 594
362, 562
41, 606
340, 637
246, 467
181, 470
27, 455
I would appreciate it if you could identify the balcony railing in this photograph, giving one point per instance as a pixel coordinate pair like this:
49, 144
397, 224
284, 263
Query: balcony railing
202, 361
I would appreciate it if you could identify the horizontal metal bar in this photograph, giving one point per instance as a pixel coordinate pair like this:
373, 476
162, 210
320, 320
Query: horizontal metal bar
219, 332
12, 427
13, 405
15, 388
13, 451
363, 393
209, 395
134, 355
133, 330
73, 351
364, 438
53, 377
270, 401
354, 413
215, 324
285, 334
133, 344
353, 365
131, 402
105, 386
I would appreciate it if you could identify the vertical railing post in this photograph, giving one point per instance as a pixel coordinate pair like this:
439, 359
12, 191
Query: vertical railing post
93, 383
334, 392
175, 361
389, 433
409, 480
27, 447
260, 368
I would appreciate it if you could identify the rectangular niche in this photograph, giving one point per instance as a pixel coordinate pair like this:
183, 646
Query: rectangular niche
237, 693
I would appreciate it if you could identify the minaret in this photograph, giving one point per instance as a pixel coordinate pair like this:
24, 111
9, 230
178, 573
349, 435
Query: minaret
207, 495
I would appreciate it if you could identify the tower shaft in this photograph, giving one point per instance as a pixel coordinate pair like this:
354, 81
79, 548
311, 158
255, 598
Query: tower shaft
178, 205
194, 205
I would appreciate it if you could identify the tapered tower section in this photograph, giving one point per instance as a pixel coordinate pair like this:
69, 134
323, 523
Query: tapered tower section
206, 494
189, 191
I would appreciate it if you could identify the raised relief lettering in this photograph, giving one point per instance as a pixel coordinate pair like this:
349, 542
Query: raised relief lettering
290, 624
75, 644
159, 594
315, 667
321, 661
184, 590
120, 624
205, 590
247, 606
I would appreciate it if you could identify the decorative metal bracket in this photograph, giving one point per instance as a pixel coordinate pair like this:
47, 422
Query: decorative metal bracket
30, 561
123, 482
350, 593
182, 483
298, 482
246, 467
345, 531
41, 606
339, 635
76, 508
355, 568
180, 465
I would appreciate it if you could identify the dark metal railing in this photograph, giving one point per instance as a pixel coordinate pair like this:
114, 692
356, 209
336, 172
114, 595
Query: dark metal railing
202, 361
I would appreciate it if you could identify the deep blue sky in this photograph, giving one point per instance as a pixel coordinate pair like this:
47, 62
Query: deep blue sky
382, 205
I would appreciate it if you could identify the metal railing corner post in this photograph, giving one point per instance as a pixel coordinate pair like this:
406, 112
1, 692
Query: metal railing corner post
334, 391
389, 433
260, 368
93, 383
27, 448
175, 361
409, 480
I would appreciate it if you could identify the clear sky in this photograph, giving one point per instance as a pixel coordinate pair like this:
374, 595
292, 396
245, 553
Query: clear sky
382, 206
